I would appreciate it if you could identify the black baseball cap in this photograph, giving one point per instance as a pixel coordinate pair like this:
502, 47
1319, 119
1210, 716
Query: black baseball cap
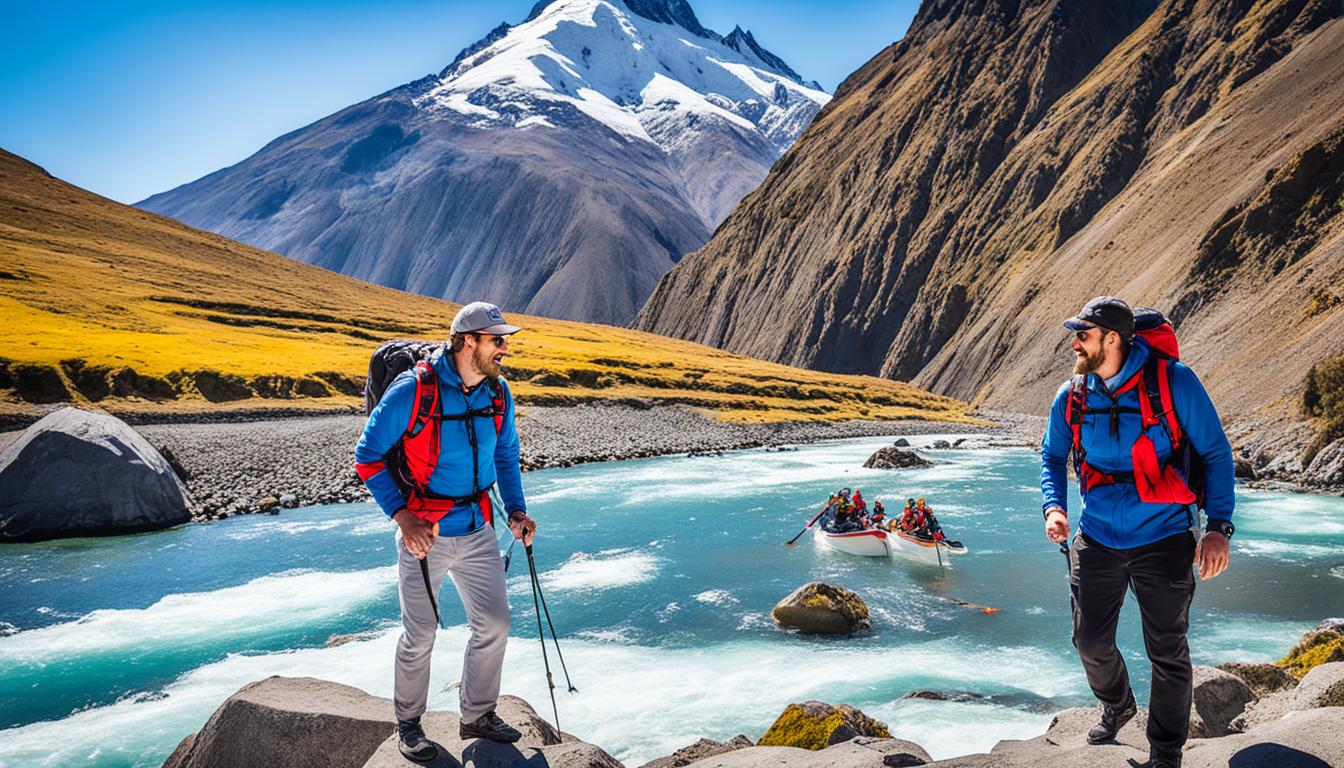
1106, 311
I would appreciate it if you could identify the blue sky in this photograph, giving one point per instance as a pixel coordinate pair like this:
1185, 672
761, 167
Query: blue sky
131, 98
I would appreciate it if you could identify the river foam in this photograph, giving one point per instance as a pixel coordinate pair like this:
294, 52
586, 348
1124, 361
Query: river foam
636, 701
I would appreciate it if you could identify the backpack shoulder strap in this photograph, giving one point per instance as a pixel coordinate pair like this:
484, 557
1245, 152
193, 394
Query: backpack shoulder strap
1157, 399
497, 402
1074, 408
426, 397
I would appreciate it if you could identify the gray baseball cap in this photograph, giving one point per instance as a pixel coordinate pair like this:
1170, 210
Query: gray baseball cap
482, 317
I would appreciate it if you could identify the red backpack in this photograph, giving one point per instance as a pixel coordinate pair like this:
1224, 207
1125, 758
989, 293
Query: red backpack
1181, 479
413, 459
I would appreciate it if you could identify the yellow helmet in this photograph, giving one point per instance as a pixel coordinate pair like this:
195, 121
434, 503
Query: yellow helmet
921, 501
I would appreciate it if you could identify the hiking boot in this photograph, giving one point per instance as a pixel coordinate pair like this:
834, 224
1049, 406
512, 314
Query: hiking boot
489, 726
412, 742
1112, 720
1163, 759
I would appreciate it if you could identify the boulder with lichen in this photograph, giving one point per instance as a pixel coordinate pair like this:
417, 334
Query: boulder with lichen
1321, 645
821, 608
816, 725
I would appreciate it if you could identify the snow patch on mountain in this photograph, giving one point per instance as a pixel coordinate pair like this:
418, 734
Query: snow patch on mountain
626, 70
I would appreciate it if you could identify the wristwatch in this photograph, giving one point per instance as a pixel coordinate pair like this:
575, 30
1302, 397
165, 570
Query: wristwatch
1224, 527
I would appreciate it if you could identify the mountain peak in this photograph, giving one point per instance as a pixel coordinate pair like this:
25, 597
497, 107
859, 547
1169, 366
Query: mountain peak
744, 43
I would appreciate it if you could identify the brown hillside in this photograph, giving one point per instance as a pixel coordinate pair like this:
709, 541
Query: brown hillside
108, 304
976, 182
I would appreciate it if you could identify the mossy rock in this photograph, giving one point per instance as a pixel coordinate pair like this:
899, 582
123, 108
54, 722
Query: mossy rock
1323, 644
816, 725
821, 608
1262, 679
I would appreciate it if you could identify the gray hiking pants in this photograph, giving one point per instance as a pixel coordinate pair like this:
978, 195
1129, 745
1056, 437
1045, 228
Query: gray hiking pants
473, 563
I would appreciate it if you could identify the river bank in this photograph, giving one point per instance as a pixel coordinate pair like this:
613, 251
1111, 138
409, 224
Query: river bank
240, 464
245, 467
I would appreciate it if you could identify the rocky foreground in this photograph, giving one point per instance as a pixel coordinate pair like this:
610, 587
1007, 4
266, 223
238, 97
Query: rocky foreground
1242, 716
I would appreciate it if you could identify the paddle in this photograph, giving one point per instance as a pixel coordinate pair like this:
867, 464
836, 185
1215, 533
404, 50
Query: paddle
968, 604
823, 511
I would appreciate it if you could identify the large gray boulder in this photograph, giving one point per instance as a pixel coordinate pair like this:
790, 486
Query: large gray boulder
294, 722
83, 473
1323, 686
1218, 698
821, 608
301, 722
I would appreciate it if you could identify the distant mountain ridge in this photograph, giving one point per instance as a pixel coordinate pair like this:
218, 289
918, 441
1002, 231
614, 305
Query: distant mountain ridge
980, 179
559, 166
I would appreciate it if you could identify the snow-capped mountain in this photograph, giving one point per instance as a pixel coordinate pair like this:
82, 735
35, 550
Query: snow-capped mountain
596, 139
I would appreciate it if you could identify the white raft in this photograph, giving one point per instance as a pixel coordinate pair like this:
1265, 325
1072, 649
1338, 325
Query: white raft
875, 542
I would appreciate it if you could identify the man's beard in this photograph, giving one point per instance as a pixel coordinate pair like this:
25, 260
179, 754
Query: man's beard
1090, 363
485, 363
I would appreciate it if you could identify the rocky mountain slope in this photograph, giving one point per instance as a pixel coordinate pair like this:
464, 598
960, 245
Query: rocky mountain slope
559, 166
980, 179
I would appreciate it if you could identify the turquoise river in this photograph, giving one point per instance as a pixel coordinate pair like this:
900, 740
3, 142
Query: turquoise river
660, 575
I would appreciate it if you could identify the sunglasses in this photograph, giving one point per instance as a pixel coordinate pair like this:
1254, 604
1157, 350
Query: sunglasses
498, 341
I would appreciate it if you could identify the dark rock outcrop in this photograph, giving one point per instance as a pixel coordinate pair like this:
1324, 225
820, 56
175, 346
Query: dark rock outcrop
820, 608
895, 458
298, 722
83, 473
815, 725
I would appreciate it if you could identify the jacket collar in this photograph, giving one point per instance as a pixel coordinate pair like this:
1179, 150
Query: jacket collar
443, 366
1138, 355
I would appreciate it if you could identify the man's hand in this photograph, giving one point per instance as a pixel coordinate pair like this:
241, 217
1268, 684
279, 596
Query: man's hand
1057, 526
418, 535
1212, 554
523, 527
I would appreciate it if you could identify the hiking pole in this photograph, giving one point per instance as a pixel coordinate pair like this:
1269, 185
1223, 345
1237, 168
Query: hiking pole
550, 683
810, 523
547, 611
429, 590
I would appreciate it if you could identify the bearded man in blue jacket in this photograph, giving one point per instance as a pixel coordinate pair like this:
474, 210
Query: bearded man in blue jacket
1132, 531
473, 454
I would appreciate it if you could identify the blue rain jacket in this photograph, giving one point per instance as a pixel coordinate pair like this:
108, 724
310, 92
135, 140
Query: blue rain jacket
496, 455
1113, 515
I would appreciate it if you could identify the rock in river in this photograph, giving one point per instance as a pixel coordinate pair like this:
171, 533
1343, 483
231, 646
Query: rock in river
895, 458
82, 473
820, 608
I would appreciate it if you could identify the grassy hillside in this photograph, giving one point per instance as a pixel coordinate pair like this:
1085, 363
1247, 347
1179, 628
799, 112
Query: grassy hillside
109, 304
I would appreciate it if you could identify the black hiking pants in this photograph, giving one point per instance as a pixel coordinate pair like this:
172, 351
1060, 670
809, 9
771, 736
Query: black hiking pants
1163, 582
